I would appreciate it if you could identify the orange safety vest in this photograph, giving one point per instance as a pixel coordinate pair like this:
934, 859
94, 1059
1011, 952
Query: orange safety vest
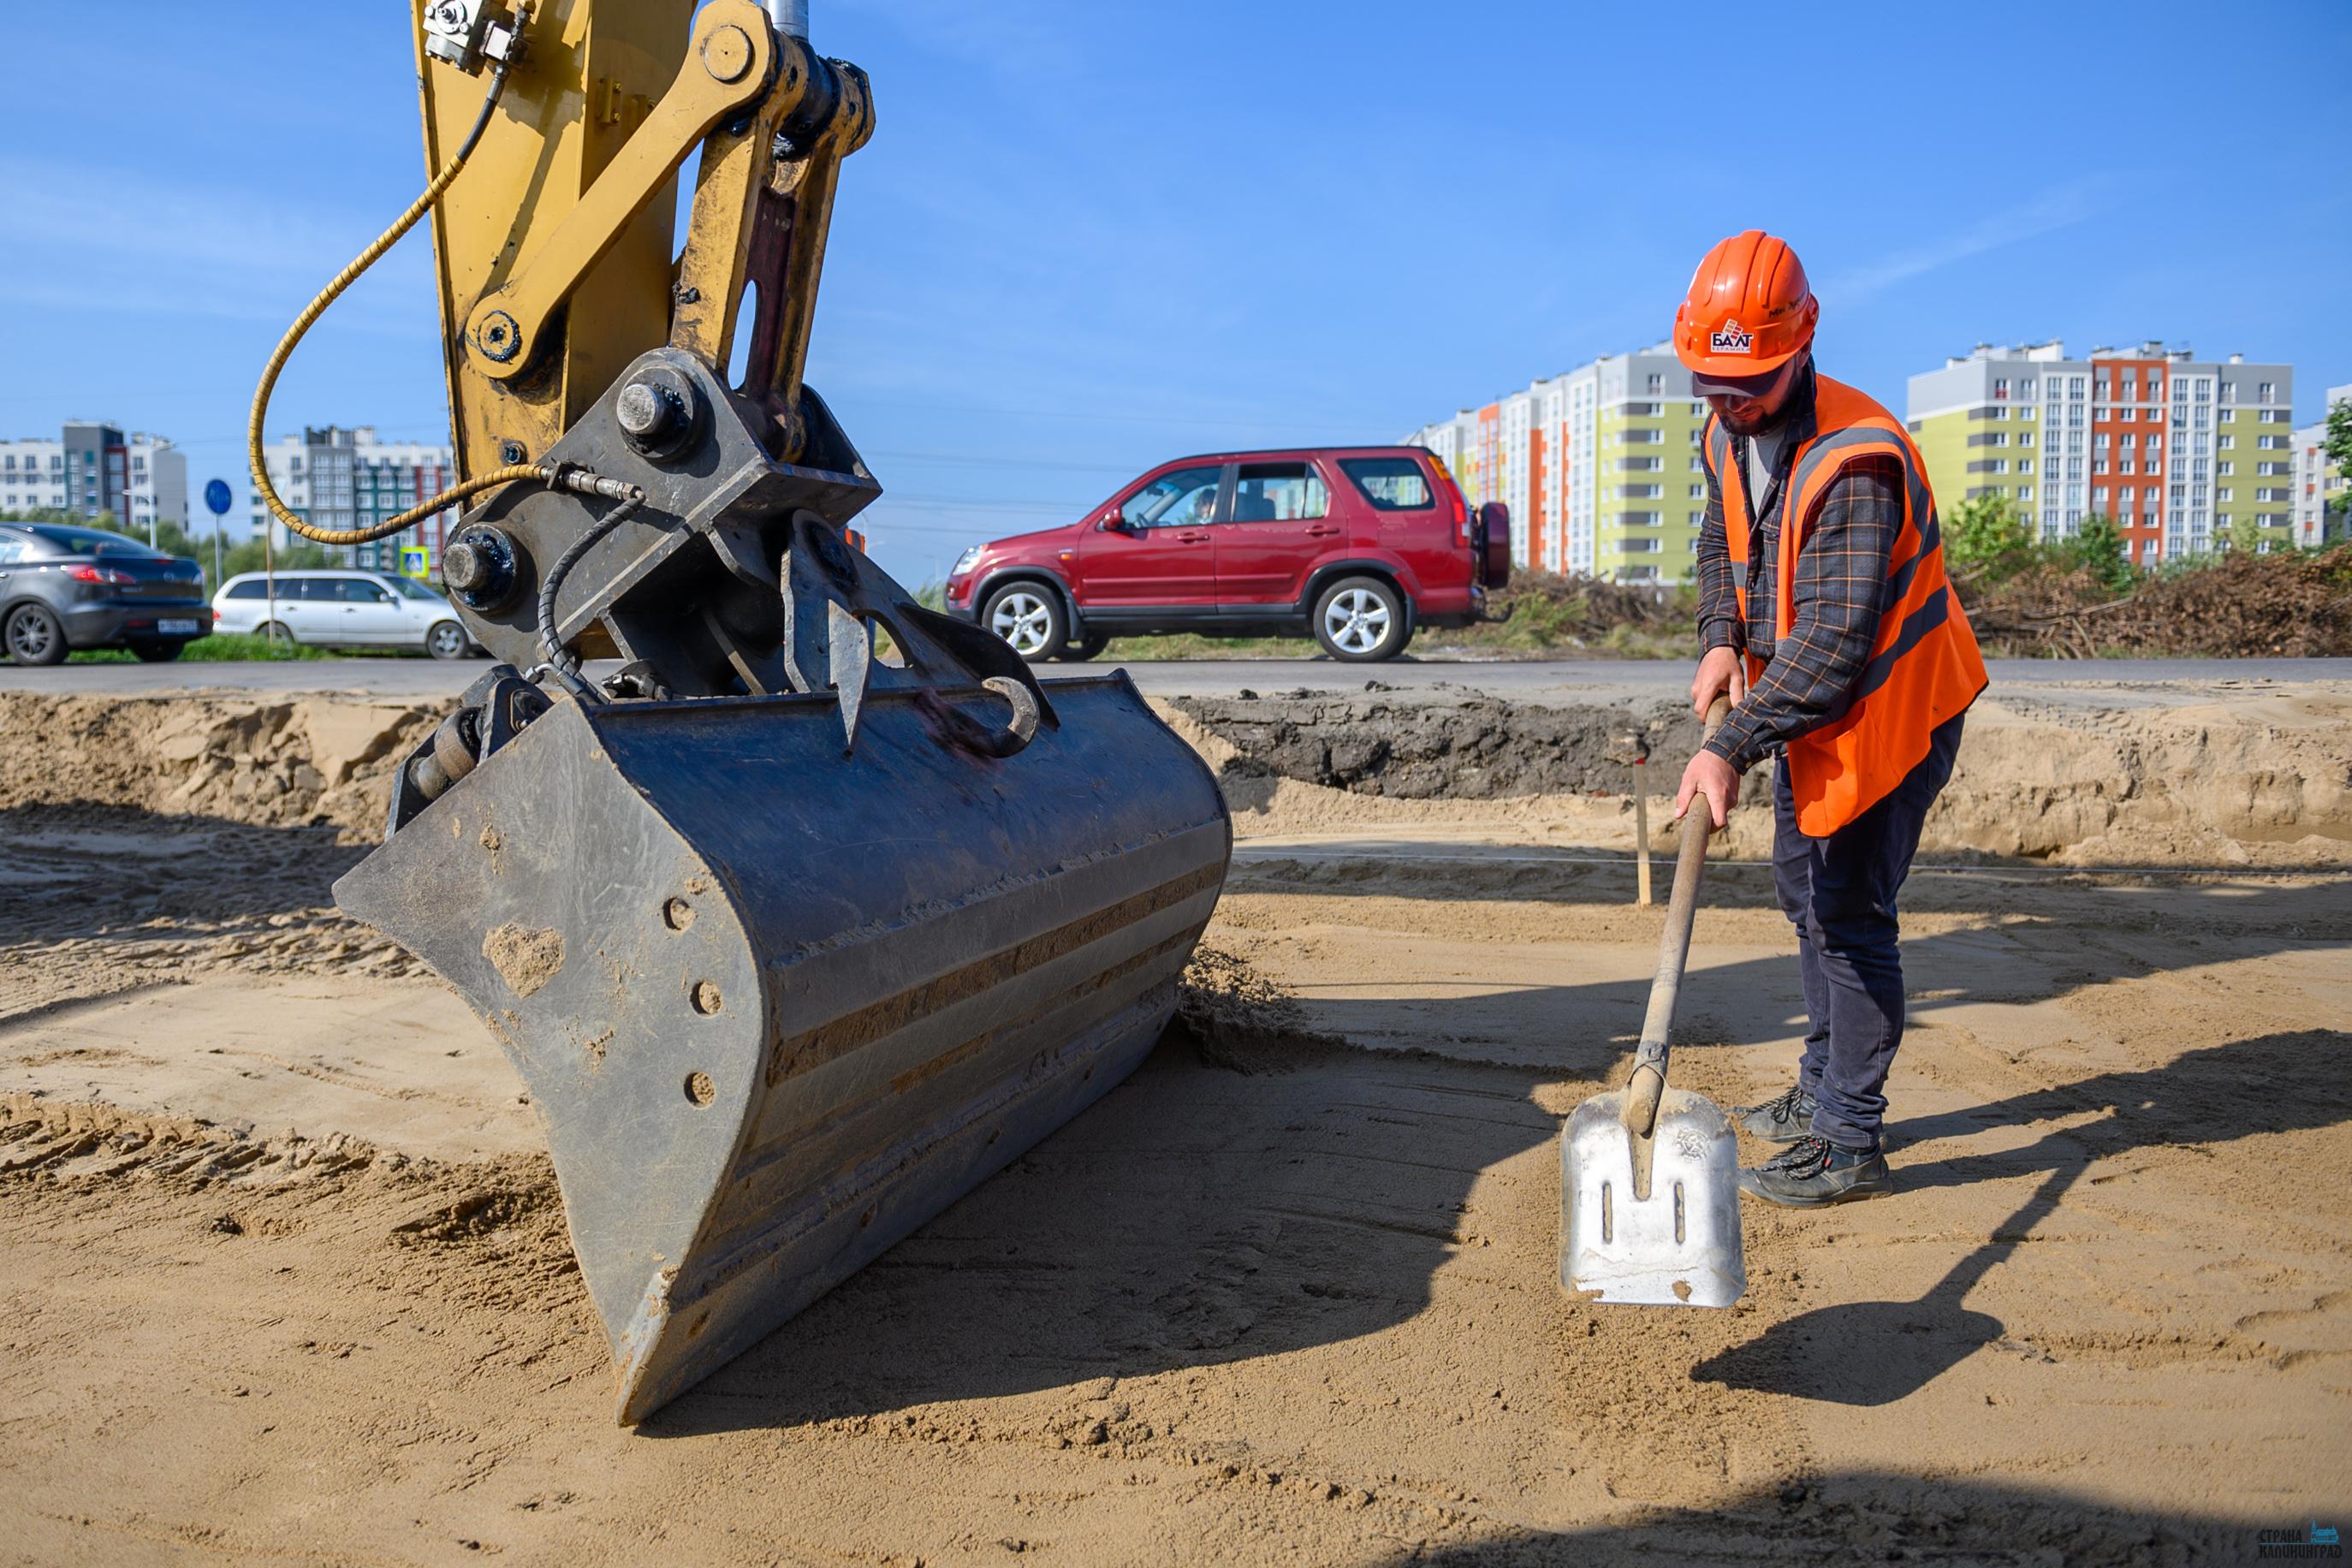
1923, 665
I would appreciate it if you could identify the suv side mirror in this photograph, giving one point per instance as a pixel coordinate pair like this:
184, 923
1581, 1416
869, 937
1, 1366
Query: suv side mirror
1116, 522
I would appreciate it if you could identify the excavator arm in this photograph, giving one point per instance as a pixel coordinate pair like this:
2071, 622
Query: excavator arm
794, 939
583, 216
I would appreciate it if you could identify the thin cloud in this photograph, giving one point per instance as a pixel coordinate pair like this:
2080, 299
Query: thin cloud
2060, 207
214, 251
1007, 40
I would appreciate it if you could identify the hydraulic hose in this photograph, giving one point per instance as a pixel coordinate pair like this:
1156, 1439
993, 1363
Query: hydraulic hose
318, 307
562, 662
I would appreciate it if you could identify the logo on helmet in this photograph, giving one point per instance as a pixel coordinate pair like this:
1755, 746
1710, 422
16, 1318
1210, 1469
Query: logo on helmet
1732, 339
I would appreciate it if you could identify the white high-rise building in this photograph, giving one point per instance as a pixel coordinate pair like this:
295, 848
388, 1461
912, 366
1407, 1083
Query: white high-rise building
32, 474
159, 482
1599, 466
2318, 481
343, 478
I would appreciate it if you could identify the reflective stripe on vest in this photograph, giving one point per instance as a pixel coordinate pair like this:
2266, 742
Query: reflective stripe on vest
1924, 664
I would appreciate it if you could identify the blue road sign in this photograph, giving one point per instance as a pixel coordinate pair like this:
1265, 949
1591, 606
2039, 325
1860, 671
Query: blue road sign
216, 497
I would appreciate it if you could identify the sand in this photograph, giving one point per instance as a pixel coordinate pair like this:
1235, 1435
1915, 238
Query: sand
284, 1272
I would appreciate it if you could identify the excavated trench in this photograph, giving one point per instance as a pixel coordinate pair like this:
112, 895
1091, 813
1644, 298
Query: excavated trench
2234, 773
1453, 748
2226, 774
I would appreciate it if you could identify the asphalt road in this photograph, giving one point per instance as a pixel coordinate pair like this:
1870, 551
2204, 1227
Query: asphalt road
1532, 680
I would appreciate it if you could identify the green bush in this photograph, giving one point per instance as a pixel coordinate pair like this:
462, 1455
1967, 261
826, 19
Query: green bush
2098, 548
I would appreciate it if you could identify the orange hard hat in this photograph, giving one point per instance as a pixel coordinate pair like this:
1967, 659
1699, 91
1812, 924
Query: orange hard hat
1749, 309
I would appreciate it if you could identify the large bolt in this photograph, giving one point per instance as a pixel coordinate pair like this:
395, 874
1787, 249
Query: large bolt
463, 568
499, 337
659, 412
649, 415
727, 54
478, 567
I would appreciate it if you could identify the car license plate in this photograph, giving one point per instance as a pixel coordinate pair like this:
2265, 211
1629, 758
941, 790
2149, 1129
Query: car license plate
176, 629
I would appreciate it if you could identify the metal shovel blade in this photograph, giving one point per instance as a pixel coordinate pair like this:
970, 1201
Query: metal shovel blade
1675, 1241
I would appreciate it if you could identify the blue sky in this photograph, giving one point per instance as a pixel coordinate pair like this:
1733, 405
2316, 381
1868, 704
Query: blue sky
1090, 236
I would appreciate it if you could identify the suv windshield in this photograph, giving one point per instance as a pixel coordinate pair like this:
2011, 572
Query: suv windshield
409, 588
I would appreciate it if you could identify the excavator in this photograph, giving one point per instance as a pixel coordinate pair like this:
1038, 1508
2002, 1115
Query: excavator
800, 907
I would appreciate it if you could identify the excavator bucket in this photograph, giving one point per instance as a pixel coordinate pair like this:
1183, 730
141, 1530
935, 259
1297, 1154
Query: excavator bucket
779, 1002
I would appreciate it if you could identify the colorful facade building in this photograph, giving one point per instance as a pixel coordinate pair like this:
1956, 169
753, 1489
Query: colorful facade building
1599, 466
343, 478
2188, 456
2322, 490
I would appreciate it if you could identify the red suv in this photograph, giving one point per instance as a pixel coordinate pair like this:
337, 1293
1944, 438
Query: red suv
1358, 545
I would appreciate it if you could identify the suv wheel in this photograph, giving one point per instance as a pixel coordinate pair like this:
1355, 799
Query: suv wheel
1029, 616
448, 640
36, 635
1360, 620
1086, 647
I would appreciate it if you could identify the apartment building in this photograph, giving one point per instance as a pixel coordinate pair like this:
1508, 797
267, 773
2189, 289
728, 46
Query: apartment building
2186, 455
1599, 466
342, 478
92, 469
2319, 484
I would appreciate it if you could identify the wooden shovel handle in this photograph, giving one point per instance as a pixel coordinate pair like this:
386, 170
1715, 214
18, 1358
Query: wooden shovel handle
1649, 1080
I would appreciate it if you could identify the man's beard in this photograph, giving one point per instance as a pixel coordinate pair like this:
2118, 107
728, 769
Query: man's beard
1754, 424
1747, 425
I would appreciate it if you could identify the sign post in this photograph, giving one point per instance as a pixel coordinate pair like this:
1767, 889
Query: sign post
217, 500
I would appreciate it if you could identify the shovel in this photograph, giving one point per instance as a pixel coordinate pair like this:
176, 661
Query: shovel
1650, 1173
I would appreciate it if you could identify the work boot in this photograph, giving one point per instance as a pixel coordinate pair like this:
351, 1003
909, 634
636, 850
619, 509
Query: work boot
1816, 1171
1781, 1121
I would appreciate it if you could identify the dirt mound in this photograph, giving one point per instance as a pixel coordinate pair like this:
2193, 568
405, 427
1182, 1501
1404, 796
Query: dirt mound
306, 761
1241, 1020
2294, 605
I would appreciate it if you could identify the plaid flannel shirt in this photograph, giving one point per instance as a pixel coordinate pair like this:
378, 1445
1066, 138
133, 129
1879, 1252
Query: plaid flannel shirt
1809, 676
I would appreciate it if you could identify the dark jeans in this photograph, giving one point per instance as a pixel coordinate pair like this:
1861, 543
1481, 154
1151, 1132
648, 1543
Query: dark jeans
1840, 894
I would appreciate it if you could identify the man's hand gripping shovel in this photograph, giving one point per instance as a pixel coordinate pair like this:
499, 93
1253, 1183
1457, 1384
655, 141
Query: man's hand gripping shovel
1650, 1173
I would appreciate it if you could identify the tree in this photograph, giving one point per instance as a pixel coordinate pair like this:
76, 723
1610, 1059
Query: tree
58, 515
1988, 536
2245, 535
2098, 548
2336, 447
302, 556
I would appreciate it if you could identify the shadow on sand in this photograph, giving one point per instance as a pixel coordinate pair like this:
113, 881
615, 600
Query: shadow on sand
1862, 1516
1875, 1353
1199, 1216
86, 871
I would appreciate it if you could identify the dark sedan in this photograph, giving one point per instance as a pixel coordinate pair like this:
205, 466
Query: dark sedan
64, 588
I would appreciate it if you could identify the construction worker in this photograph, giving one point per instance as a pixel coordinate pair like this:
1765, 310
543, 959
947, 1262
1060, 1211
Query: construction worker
1827, 618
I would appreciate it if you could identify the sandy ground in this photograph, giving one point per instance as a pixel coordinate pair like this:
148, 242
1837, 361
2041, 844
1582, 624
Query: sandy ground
283, 1273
